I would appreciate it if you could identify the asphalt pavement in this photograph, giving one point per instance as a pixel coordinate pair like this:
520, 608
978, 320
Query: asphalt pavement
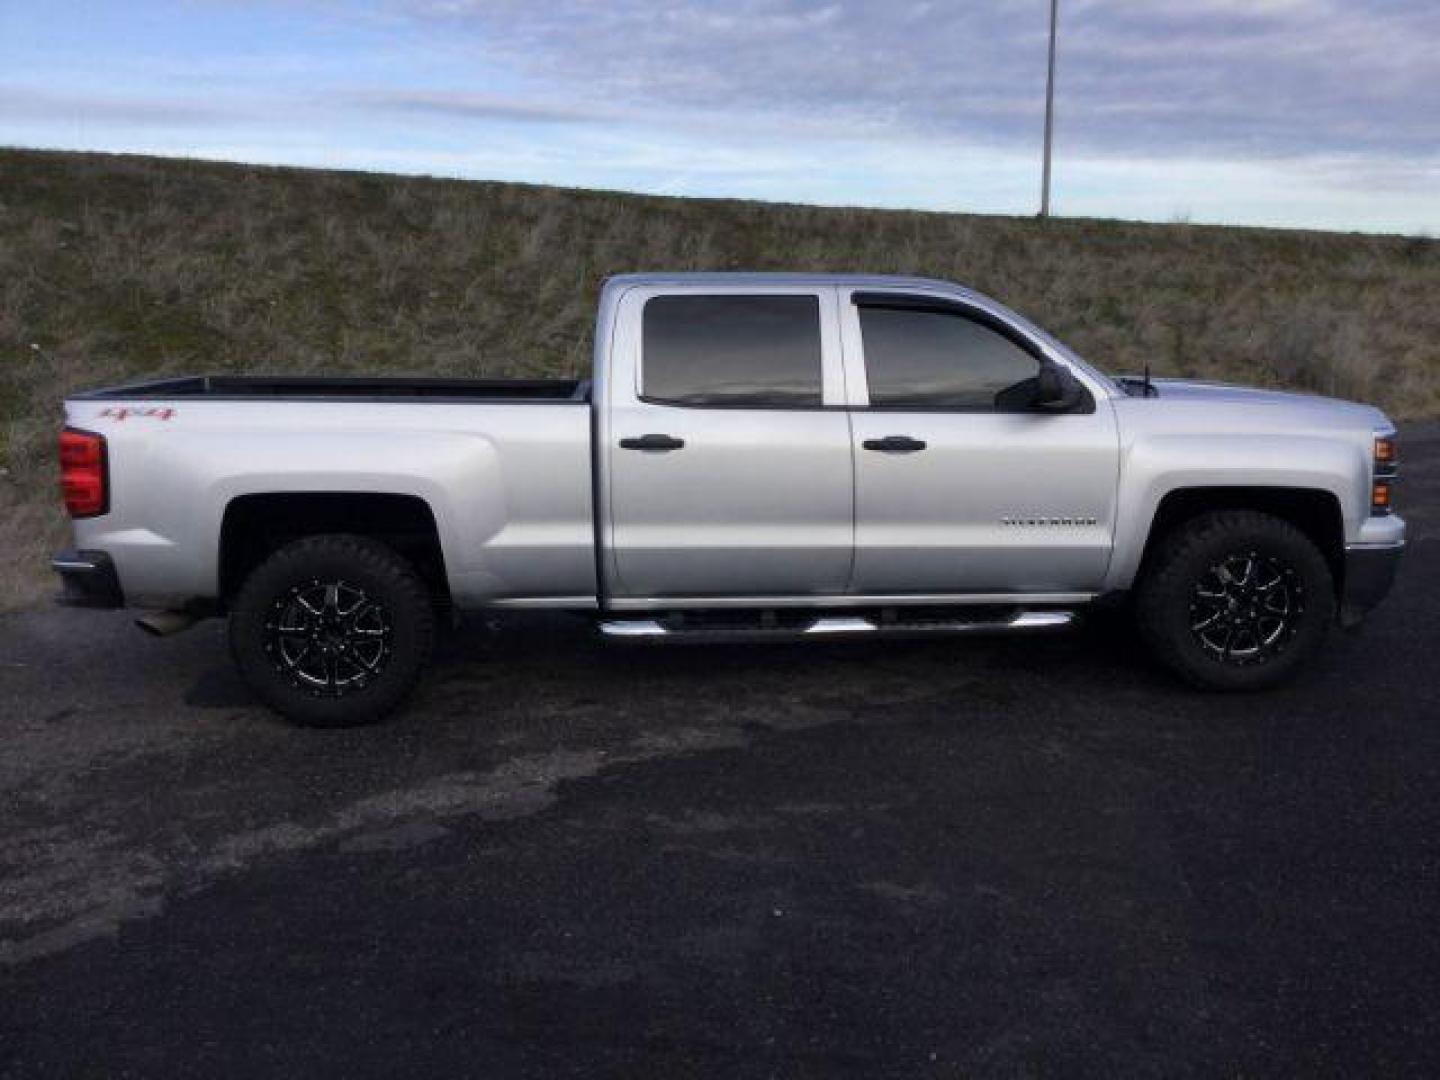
999, 857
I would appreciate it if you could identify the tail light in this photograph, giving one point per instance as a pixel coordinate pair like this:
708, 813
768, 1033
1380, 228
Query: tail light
84, 473
1386, 469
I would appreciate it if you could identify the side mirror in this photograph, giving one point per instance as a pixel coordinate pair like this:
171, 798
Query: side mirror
1056, 390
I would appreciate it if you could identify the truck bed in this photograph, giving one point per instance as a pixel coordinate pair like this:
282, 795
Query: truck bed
327, 388
502, 468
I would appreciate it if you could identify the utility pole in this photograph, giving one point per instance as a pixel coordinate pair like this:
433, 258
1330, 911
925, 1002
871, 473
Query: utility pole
1049, 112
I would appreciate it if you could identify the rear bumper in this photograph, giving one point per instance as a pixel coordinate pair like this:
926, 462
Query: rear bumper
88, 580
1369, 574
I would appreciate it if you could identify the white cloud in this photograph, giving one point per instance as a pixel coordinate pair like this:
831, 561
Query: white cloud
1265, 77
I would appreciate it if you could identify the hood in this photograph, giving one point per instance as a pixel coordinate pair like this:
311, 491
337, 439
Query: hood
1227, 394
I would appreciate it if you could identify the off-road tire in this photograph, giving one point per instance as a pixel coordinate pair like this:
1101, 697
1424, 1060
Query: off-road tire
382, 655
1174, 598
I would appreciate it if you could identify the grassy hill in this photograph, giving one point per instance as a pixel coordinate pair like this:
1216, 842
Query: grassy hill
114, 268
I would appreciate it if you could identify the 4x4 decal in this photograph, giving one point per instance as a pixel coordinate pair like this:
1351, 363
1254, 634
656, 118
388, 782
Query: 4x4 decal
123, 412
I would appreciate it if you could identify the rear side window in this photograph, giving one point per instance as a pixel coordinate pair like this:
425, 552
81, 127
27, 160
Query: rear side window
918, 358
732, 351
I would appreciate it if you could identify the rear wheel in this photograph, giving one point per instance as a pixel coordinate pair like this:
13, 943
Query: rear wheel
332, 630
1236, 600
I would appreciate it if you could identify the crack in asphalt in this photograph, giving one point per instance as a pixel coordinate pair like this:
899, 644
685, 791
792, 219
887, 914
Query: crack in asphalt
88, 884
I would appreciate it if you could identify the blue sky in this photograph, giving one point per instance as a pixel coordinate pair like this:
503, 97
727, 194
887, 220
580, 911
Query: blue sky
1318, 113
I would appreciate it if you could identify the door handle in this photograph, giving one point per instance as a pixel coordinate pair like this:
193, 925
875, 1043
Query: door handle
895, 444
652, 442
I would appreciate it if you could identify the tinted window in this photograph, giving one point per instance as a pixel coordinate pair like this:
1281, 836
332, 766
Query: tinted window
732, 351
938, 359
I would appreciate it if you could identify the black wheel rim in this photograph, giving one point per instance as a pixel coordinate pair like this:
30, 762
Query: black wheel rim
330, 638
1245, 608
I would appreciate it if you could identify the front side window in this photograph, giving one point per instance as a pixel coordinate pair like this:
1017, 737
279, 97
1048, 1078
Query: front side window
934, 358
732, 351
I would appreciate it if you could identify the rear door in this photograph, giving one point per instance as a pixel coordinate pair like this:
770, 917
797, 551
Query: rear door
728, 444
959, 487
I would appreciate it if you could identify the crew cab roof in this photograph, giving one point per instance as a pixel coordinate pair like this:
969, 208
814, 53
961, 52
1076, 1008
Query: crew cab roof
758, 279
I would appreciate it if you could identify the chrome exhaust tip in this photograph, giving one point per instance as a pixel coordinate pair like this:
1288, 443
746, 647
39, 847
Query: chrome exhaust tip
165, 623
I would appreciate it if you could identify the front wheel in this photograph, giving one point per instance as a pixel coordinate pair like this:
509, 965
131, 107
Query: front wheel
333, 630
1235, 600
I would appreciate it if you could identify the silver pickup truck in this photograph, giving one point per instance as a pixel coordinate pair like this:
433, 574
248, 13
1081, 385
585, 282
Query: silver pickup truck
757, 456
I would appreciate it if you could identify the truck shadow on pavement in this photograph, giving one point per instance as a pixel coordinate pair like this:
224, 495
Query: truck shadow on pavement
545, 651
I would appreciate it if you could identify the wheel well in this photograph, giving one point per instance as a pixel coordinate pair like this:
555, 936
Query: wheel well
1315, 513
257, 525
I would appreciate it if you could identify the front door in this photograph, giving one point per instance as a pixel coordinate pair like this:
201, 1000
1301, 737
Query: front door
959, 487
729, 459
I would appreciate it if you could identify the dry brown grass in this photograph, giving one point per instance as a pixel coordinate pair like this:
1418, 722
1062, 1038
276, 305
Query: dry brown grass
120, 267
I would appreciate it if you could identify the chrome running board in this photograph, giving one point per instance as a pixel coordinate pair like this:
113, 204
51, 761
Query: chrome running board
765, 628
